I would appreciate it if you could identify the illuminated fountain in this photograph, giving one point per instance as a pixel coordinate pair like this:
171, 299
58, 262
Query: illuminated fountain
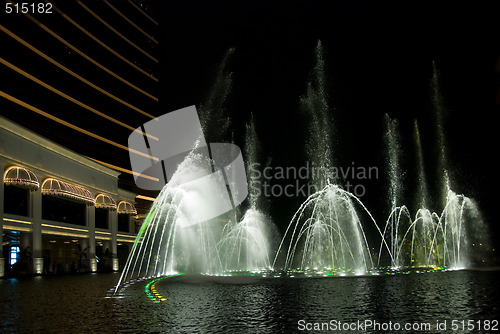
331, 233
326, 234
430, 240
176, 236
435, 241
247, 245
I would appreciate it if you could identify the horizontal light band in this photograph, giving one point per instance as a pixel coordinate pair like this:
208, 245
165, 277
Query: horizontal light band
69, 98
125, 170
69, 45
67, 70
143, 12
65, 228
152, 199
74, 127
66, 234
130, 22
126, 236
126, 240
116, 32
17, 228
17, 221
98, 41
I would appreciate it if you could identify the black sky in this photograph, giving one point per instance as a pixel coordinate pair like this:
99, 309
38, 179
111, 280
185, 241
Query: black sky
379, 59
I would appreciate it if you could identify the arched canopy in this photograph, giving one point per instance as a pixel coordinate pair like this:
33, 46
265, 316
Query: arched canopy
57, 187
125, 207
21, 177
105, 202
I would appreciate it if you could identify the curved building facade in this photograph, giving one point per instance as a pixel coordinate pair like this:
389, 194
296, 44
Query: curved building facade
59, 211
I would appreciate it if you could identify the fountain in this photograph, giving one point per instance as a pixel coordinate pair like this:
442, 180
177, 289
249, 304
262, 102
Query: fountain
331, 233
247, 245
174, 236
431, 240
326, 234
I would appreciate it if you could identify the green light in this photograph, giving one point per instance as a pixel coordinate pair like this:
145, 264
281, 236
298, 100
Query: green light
151, 291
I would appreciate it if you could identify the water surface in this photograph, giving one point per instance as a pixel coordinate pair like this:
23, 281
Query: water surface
231, 305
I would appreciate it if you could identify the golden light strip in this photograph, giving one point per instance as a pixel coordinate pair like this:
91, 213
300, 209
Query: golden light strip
105, 69
130, 21
17, 221
66, 234
116, 32
126, 240
17, 228
71, 126
43, 55
108, 233
65, 228
126, 236
152, 199
81, 104
95, 39
125, 170
143, 12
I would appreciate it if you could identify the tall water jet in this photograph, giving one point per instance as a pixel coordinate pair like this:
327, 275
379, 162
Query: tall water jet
460, 225
422, 194
252, 145
179, 233
213, 120
314, 104
246, 245
442, 159
326, 233
425, 220
429, 239
392, 141
175, 237
398, 222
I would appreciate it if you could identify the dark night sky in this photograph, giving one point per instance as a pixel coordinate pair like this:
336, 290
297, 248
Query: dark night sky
379, 60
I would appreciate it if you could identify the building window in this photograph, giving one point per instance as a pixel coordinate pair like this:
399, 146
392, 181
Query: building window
123, 223
101, 218
16, 200
63, 210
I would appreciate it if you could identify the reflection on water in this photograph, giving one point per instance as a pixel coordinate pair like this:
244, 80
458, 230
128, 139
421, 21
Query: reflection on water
77, 303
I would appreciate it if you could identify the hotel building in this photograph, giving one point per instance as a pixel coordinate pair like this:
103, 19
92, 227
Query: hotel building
59, 211
76, 78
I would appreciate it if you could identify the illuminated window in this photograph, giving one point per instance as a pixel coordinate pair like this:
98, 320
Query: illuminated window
14, 254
